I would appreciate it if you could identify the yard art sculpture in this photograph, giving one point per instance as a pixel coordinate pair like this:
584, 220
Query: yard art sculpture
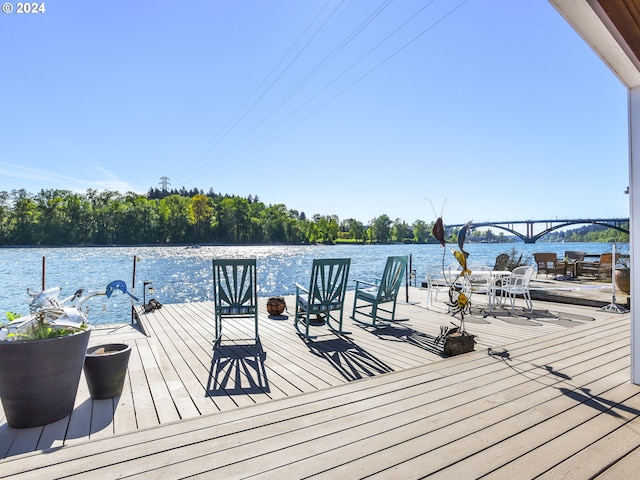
48, 312
455, 339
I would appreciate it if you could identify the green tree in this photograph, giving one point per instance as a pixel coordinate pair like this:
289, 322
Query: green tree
54, 226
200, 213
380, 229
5, 217
24, 219
327, 228
357, 230
275, 218
104, 223
420, 231
400, 230
333, 228
140, 219
295, 231
310, 229
176, 216
80, 215
233, 220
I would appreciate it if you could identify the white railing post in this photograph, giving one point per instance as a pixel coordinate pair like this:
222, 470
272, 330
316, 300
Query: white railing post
634, 226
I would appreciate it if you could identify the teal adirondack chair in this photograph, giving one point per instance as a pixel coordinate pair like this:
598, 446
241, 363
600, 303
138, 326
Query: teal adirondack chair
323, 301
372, 295
235, 292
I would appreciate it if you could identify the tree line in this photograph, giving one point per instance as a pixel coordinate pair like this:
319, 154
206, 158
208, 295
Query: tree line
62, 217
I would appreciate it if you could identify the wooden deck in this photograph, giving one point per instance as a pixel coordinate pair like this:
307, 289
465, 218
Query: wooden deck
555, 402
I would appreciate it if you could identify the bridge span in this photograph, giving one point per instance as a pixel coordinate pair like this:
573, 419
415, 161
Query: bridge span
620, 224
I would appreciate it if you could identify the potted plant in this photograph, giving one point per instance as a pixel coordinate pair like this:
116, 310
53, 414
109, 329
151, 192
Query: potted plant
105, 368
42, 356
623, 272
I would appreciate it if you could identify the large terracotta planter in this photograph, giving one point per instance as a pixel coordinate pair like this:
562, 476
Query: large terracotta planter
39, 378
623, 279
105, 368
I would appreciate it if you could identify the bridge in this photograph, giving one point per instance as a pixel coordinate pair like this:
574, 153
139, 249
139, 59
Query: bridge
620, 224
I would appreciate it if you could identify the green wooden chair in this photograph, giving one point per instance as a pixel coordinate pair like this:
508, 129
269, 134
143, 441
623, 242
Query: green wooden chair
235, 292
324, 299
372, 295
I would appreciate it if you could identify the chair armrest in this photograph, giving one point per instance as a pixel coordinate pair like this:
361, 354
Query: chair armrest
366, 283
300, 287
588, 264
583, 266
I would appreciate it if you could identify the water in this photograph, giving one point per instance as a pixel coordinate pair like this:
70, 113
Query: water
181, 275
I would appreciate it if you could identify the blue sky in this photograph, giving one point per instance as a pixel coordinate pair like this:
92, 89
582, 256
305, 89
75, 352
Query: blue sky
487, 109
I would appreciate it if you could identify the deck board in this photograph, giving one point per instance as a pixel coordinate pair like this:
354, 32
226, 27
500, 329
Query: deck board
539, 459
125, 420
380, 402
145, 409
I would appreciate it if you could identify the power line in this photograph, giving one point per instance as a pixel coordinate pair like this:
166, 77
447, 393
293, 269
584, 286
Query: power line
231, 124
258, 123
348, 87
308, 77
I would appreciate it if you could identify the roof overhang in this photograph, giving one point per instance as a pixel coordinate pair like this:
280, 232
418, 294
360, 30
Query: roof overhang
612, 29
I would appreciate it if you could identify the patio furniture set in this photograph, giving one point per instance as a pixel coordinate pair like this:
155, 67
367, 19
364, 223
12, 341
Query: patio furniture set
497, 283
322, 301
319, 303
574, 264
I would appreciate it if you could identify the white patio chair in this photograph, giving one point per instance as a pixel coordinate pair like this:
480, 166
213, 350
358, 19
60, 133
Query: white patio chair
480, 280
434, 288
518, 284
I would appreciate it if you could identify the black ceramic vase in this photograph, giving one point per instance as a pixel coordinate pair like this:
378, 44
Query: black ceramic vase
39, 378
105, 368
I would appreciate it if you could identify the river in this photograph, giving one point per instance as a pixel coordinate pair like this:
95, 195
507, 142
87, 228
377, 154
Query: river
181, 274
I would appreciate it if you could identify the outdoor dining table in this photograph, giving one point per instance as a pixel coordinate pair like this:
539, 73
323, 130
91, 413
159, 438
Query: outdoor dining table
489, 278
569, 268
